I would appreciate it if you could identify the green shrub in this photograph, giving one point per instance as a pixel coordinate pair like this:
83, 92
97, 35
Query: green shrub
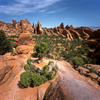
41, 49
57, 50
5, 45
35, 67
38, 79
50, 56
78, 61
50, 62
26, 67
29, 61
46, 68
25, 78
50, 75
54, 69
34, 54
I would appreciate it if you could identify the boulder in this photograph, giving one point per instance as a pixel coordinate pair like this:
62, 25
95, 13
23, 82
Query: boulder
25, 39
24, 49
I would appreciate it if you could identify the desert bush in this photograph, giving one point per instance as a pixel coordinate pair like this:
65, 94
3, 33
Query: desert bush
38, 79
54, 69
26, 67
78, 61
50, 62
50, 56
41, 49
5, 45
46, 68
50, 75
57, 50
25, 78
35, 76
29, 61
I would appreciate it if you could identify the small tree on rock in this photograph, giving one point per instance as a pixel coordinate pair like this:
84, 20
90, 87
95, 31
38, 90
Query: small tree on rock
41, 49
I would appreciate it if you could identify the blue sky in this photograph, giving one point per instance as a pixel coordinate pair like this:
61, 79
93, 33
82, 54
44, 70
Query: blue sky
51, 13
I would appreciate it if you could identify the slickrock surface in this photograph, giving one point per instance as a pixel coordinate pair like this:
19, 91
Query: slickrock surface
70, 86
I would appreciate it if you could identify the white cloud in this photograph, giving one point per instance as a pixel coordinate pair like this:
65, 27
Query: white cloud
57, 10
25, 6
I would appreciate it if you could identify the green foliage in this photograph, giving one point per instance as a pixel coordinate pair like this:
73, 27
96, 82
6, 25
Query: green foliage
57, 50
25, 78
50, 75
46, 68
78, 61
38, 79
50, 56
35, 76
26, 67
50, 62
5, 45
66, 49
41, 49
54, 69
29, 61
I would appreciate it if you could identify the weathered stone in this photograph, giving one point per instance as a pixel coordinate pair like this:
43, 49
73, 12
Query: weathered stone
25, 39
93, 76
83, 71
24, 49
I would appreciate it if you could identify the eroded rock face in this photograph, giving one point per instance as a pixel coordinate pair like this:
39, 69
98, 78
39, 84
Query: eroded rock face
25, 39
10, 66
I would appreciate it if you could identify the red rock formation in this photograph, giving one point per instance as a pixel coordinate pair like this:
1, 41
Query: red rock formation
26, 25
55, 30
71, 27
82, 33
39, 28
62, 25
67, 34
75, 33
95, 34
67, 27
14, 23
